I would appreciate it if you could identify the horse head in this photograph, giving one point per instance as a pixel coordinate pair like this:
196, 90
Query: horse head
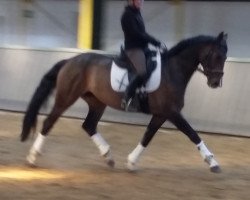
212, 59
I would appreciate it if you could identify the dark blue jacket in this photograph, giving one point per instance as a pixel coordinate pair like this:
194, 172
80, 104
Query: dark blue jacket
134, 30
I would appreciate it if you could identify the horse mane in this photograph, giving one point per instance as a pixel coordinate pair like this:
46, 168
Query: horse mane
182, 45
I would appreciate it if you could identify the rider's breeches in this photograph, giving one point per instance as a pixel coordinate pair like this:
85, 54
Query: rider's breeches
138, 59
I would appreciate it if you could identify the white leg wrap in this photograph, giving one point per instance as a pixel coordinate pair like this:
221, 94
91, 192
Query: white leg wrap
102, 145
135, 154
203, 150
36, 149
212, 162
207, 155
38, 144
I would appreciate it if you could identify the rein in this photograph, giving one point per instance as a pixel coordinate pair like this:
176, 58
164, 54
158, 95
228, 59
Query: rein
206, 72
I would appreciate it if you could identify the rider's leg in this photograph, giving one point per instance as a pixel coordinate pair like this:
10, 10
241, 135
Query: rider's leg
138, 59
130, 91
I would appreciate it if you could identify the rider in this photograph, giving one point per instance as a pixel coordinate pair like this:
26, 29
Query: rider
136, 42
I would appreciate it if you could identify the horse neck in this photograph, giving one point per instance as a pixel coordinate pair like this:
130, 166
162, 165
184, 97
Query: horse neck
182, 66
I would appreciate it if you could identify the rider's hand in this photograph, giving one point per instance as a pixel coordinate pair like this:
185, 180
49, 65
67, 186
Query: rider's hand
162, 47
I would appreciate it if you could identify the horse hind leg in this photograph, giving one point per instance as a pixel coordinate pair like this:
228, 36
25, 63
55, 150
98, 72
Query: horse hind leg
152, 128
37, 146
59, 107
96, 109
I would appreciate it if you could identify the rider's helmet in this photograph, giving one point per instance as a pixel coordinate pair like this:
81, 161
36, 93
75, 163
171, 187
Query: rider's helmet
136, 3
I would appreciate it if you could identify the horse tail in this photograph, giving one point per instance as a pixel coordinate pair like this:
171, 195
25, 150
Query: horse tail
41, 94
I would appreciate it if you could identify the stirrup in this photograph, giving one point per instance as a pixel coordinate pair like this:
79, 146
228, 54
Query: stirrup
125, 104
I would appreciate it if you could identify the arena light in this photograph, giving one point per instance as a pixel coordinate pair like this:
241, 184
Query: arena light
25, 174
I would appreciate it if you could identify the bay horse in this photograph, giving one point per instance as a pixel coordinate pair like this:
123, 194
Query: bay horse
87, 76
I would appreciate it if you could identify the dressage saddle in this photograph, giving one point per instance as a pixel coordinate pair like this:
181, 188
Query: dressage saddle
123, 61
140, 100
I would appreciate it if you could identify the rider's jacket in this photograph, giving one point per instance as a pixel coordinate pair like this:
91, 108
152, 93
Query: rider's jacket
134, 30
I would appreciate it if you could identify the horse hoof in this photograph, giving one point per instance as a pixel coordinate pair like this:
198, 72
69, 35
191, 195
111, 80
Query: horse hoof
109, 159
111, 163
216, 169
30, 163
132, 167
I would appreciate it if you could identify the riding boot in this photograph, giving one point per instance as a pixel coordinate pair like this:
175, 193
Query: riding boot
130, 92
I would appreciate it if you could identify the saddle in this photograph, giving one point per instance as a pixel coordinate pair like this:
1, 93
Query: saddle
140, 100
123, 61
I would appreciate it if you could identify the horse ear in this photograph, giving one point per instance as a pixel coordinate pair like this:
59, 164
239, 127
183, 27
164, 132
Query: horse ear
222, 36
225, 36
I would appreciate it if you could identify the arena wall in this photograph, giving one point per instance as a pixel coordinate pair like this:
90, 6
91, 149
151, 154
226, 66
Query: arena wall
225, 110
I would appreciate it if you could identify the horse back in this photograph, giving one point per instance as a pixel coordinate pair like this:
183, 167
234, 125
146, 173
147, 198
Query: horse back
92, 71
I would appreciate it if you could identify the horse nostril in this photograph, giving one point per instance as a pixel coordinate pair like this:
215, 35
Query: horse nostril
213, 84
216, 84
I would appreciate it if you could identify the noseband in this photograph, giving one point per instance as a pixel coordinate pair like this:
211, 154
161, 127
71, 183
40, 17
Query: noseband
210, 72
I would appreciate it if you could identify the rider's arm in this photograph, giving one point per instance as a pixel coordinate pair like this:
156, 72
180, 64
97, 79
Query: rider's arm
130, 26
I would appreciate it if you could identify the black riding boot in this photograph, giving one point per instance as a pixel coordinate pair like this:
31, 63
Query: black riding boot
130, 91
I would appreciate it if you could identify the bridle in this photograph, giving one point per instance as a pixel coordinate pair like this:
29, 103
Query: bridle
207, 71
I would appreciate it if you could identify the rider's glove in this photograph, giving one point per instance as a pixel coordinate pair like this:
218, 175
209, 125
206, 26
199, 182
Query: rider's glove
162, 47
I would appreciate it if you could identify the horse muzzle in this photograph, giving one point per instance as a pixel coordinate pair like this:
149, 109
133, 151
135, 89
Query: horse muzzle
214, 82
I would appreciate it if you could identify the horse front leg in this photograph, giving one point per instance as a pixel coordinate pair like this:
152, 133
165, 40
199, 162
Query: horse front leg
152, 128
184, 126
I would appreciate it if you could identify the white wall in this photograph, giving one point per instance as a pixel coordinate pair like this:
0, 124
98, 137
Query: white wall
54, 23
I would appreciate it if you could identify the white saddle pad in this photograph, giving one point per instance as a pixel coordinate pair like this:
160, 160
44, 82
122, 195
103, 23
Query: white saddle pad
119, 77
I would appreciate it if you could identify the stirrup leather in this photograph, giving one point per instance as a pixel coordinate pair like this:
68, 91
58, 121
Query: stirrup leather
125, 104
